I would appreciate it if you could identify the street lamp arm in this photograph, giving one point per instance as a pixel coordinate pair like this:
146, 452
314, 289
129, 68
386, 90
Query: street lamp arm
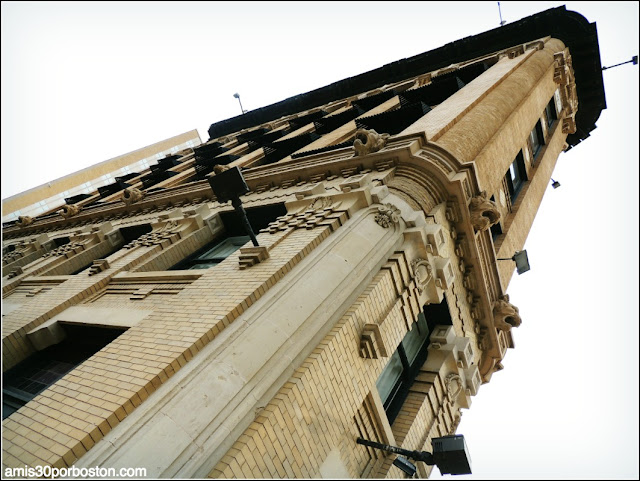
423, 456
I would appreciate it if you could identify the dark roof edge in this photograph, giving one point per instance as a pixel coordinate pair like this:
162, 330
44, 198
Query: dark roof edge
572, 28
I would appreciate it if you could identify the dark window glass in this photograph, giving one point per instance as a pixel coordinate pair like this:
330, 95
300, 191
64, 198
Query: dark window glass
552, 114
496, 229
537, 139
398, 375
213, 253
22, 383
516, 176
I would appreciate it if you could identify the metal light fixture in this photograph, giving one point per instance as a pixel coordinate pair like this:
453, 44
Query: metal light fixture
633, 61
555, 184
405, 465
237, 95
230, 185
450, 454
521, 260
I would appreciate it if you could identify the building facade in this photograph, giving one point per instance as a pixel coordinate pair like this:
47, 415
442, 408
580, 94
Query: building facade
146, 330
75, 188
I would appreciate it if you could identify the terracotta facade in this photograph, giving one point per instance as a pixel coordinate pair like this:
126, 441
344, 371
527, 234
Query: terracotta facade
272, 361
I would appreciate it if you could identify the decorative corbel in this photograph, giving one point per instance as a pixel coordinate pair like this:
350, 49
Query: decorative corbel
369, 141
69, 210
131, 195
505, 314
24, 220
484, 212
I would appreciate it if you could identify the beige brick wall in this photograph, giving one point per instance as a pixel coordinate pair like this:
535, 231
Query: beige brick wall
59, 425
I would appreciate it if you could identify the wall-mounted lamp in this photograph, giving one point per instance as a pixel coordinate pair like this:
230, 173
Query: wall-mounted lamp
230, 185
237, 95
450, 454
521, 260
555, 184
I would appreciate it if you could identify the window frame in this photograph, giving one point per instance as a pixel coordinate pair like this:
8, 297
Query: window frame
516, 176
212, 254
393, 401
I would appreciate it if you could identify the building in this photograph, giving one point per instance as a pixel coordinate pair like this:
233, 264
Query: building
145, 329
77, 187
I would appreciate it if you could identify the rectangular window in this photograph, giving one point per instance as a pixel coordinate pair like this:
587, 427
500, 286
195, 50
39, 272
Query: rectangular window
398, 375
212, 254
536, 137
23, 382
516, 176
550, 110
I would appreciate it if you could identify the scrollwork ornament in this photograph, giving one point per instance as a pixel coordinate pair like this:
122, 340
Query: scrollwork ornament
388, 215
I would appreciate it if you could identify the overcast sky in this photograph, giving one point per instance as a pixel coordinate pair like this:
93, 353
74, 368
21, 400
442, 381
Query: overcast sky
85, 82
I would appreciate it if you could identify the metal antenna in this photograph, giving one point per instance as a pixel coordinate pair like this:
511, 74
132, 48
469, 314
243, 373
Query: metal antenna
633, 60
502, 22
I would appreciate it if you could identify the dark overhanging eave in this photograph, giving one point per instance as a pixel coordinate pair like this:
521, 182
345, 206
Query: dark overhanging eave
571, 28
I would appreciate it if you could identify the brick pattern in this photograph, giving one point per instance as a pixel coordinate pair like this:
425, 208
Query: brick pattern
325, 405
59, 425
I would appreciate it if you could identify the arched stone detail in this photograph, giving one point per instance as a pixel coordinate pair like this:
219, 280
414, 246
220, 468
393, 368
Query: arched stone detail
421, 191
505, 314
369, 141
484, 212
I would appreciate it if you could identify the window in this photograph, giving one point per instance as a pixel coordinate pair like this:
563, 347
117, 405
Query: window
536, 138
398, 375
552, 114
516, 176
22, 383
496, 229
213, 253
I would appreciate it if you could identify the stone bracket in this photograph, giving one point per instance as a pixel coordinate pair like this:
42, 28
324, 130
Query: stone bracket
371, 343
98, 266
250, 256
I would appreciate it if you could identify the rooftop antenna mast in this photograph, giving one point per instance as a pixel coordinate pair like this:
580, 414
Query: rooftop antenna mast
502, 22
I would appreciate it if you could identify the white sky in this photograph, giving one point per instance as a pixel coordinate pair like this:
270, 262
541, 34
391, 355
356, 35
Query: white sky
85, 82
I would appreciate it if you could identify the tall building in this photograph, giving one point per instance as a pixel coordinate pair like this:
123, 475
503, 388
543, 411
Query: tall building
143, 328
77, 187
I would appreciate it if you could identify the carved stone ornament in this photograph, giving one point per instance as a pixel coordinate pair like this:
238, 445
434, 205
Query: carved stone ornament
24, 220
369, 141
220, 168
453, 382
131, 195
69, 210
484, 213
388, 214
422, 273
505, 314
456, 422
